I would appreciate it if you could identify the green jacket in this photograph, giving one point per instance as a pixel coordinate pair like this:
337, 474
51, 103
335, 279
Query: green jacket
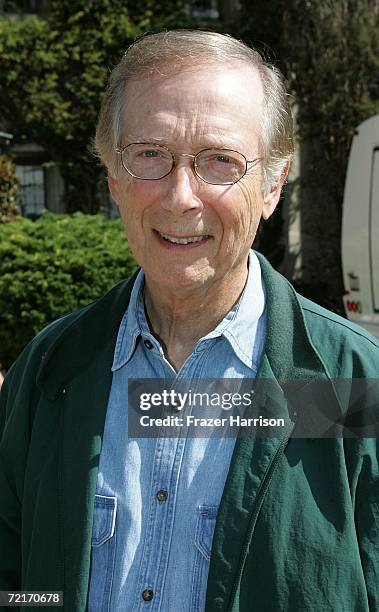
297, 528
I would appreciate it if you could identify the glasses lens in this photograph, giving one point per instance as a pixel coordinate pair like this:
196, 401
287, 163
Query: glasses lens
220, 166
147, 161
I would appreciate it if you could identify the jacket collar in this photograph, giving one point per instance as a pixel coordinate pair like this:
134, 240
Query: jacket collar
85, 333
289, 347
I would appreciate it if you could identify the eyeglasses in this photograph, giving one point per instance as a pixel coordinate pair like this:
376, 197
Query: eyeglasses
152, 162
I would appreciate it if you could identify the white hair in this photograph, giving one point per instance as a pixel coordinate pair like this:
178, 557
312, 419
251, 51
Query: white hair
176, 48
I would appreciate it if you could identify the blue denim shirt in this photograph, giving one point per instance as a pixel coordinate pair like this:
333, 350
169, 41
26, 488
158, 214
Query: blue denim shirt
157, 499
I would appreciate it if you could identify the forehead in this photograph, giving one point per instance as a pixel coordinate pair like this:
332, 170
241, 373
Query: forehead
201, 106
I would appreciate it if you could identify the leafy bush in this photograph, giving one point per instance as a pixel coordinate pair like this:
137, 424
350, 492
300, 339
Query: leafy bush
9, 194
53, 266
53, 73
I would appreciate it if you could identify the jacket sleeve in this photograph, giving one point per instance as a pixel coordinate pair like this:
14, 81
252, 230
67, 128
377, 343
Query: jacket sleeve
367, 516
17, 397
18, 400
10, 502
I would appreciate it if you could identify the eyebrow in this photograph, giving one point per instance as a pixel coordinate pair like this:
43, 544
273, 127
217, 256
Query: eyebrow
210, 143
133, 138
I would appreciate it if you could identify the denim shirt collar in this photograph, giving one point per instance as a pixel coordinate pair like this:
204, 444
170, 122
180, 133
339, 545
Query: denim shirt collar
130, 330
239, 326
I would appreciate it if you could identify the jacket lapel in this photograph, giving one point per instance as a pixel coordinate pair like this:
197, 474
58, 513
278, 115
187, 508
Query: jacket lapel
81, 437
75, 376
288, 356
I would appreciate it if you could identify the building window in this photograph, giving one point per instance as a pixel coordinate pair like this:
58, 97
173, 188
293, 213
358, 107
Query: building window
22, 6
32, 188
205, 9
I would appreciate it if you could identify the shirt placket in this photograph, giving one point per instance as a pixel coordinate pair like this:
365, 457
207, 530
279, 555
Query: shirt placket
168, 458
165, 475
161, 508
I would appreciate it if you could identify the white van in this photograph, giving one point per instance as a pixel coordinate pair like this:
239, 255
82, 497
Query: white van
360, 228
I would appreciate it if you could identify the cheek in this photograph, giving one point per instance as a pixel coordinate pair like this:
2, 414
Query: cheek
253, 207
242, 215
131, 221
133, 208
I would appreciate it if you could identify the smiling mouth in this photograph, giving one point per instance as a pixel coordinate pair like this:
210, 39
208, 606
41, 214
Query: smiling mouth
187, 240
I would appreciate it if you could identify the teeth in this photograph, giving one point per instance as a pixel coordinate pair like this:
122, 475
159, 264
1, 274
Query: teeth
182, 240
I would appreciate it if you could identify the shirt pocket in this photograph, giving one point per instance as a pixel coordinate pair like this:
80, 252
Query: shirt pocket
103, 553
205, 526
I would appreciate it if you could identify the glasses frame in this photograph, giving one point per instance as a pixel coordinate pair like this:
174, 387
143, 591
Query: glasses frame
174, 157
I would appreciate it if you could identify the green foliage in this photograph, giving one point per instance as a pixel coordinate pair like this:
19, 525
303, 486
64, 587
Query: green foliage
53, 266
9, 195
329, 52
53, 74
335, 70
154, 15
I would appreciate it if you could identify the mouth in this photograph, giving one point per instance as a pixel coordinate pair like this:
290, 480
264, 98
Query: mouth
182, 240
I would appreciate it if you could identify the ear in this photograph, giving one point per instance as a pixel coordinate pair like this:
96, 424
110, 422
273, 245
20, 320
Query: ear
271, 198
113, 186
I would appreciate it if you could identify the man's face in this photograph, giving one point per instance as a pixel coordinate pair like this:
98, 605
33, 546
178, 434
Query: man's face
187, 112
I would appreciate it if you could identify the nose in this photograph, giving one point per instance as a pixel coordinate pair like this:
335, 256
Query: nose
182, 188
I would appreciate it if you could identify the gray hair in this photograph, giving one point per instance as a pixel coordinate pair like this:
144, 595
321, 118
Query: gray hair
182, 48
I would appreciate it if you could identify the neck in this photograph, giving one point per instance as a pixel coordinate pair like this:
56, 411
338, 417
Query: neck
179, 319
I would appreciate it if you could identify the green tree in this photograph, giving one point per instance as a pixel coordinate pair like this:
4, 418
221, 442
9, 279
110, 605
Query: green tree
328, 51
53, 74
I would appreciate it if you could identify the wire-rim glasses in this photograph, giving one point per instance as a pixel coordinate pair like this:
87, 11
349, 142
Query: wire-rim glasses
152, 162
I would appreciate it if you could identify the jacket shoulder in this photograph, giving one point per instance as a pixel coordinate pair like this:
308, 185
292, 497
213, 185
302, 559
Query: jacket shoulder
347, 349
78, 329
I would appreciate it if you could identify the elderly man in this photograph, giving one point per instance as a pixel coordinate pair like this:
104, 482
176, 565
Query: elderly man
195, 131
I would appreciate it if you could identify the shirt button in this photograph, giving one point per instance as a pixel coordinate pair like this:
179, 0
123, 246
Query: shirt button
174, 406
149, 345
162, 495
147, 595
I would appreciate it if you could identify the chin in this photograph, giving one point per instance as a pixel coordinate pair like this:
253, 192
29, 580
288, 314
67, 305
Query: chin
183, 278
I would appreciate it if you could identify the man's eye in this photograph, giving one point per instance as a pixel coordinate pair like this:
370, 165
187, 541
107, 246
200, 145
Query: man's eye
150, 153
225, 159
